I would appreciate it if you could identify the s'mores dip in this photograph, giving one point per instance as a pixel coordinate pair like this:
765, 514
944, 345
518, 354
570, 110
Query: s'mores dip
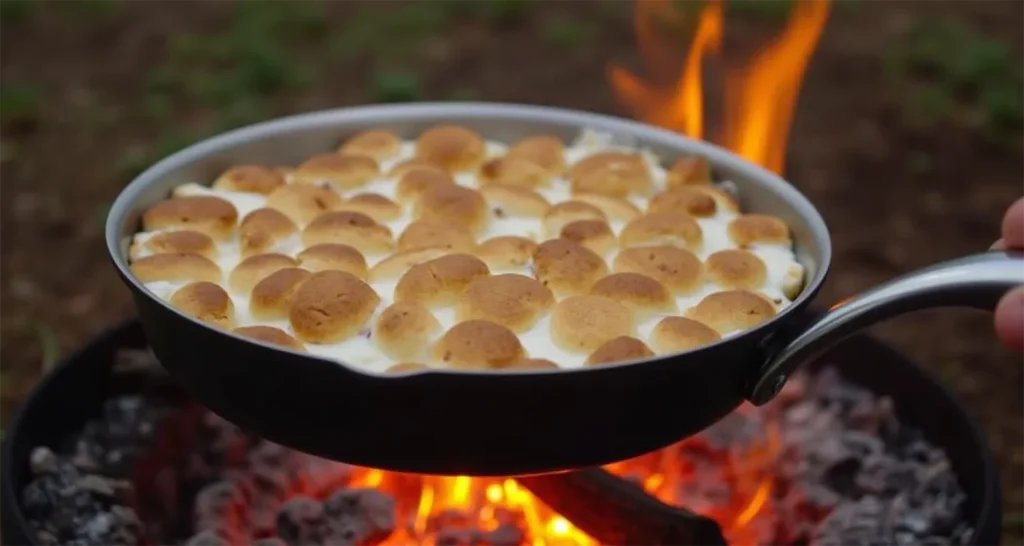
454, 251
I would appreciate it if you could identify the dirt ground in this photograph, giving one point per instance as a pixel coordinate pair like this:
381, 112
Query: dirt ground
897, 193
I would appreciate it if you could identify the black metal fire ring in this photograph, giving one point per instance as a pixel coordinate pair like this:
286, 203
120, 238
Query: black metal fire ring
76, 388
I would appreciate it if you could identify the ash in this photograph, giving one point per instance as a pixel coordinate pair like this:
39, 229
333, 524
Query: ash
846, 473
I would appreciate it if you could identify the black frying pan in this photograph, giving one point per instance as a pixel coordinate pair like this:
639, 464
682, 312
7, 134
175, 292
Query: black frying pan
522, 422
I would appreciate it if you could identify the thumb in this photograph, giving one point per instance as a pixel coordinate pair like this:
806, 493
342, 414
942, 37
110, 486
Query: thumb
1009, 319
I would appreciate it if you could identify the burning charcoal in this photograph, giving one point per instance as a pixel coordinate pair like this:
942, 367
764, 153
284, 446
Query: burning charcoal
359, 516
119, 526
505, 535
208, 538
214, 504
106, 488
42, 461
299, 521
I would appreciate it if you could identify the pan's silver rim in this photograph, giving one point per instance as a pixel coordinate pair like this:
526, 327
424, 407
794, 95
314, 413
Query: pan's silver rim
454, 112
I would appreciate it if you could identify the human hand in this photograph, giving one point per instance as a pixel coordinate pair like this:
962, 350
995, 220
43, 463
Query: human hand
1009, 316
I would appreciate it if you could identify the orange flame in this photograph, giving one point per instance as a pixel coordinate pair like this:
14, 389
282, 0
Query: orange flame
760, 99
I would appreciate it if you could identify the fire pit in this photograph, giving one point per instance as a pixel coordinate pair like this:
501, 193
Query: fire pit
892, 461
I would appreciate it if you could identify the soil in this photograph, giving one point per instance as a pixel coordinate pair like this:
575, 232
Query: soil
896, 197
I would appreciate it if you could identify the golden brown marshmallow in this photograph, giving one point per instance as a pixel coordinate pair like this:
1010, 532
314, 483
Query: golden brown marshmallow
566, 212
375, 143
403, 167
440, 281
615, 174
176, 267
732, 310
331, 306
620, 349
210, 215
403, 331
545, 151
567, 268
255, 268
758, 228
249, 179
663, 228
581, 324
185, 241
206, 302
333, 256
351, 228
344, 172
269, 334
676, 268
376, 206
612, 207
533, 364
687, 171
417, 181
514, 301
644, 295
271, 297
514, 172
677, 334
684, 200
506, 252
452, 147
407, 367
397, 264
436, 233
508, 201
261, 229
303, 202
478, 345
735, 268
453, 203
593, 234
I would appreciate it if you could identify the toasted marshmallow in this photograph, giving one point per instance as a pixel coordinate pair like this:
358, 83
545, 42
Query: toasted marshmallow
758, 228
375, 143
687, 171
732, 310
250, 179
176, 267
663, 228
545, 151
567, 268
454, 148
581, 324
676, 268
351, 228
567, 212
303, 202
644, 295
440, 281
344, 172
416, 181
331, 306
376, 206
478, 345
506, 201
677, 334
333, 257
593, 234
514, 301
620, 349
206, 214
403, 167
435, 233
735, 268
185, 242
793, 281
397, 264
506, 252
612, 207
533, 364
262, 229
615, 174
205, 301
256, 268
403, 331
272, 297
269, 334
514, 172
453, 203
684, 200
407, 367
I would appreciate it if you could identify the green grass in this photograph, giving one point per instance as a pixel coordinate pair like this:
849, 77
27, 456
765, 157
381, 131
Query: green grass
568, 34
949, 73
12, 11
397, 86
19, 102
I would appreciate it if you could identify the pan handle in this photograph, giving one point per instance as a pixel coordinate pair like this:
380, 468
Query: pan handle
978, 281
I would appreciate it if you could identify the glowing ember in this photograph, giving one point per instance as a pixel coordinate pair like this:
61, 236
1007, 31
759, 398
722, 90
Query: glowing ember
760, 97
